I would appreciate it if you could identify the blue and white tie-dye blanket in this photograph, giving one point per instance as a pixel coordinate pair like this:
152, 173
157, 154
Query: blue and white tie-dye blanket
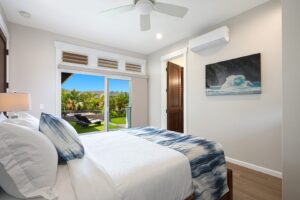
207, 159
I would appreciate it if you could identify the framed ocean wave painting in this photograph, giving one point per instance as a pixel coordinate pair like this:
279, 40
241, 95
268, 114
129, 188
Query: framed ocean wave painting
234, 77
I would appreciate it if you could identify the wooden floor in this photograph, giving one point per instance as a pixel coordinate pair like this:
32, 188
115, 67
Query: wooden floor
252, 185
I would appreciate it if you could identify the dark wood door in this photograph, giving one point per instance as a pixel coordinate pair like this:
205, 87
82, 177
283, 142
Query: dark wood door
3, 84
175, 97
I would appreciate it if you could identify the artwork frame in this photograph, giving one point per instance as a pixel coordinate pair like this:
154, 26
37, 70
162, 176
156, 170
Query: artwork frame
238, 76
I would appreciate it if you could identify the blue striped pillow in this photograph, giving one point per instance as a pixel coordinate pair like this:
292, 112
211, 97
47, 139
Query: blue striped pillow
63, 136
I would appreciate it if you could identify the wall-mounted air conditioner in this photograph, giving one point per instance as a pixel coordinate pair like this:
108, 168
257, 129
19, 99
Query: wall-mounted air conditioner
214, 38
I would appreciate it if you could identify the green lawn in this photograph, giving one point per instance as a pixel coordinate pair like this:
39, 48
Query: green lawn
91, 128
95, 128
119, 120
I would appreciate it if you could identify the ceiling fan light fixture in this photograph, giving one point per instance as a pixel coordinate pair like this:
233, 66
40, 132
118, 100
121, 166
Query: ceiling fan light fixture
144, 7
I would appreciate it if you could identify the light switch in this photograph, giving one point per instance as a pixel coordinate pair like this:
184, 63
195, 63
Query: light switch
42, 106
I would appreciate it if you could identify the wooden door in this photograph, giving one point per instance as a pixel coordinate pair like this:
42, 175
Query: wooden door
3, 84
175, 98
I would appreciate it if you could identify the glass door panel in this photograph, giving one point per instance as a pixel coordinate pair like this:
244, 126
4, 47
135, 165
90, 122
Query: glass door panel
119, 106
82, 101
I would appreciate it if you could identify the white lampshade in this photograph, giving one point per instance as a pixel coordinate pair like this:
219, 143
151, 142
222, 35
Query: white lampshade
15, 102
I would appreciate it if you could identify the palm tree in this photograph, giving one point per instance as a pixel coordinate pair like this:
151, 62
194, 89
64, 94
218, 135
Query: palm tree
65, 96
74, 101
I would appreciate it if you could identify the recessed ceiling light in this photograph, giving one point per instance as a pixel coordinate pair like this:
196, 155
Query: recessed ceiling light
25, 14
159, 36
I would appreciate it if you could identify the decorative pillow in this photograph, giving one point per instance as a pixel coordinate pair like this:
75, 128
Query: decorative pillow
63, 136
2, 117
28, 162
25, 120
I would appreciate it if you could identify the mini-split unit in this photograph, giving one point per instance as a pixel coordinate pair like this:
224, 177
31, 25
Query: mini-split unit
211, 39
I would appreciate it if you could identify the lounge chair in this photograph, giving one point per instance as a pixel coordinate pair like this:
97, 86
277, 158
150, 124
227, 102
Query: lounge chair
85, 122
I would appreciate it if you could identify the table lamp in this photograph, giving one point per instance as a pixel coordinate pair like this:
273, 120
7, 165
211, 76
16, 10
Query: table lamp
14, 102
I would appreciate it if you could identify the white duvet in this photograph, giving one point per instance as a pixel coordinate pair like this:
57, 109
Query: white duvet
119, 166
63, 186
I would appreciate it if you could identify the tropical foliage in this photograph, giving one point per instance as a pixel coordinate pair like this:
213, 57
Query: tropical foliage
92, 101
117, 104
80, 101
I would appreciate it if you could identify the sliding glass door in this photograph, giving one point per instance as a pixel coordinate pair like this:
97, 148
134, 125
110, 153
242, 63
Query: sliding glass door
92, 103
119, 104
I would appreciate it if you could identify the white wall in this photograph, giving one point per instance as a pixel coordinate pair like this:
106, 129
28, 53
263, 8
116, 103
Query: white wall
249, 126
291, 99
139, 102
32, 66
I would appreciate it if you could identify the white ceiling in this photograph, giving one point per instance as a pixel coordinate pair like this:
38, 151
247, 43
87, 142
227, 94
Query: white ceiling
81, 19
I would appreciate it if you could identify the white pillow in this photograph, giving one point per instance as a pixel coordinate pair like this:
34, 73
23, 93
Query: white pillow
28, 162
2, 117
25, 119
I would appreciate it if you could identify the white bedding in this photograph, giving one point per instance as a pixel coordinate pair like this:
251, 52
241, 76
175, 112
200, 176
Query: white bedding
63, 186
119, 166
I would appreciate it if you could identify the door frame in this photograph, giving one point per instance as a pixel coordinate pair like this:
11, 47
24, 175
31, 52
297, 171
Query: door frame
164, 63
5, 36
106, 90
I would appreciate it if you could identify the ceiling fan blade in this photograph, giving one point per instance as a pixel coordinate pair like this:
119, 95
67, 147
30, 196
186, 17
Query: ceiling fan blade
145, 22
118, 10
169, 9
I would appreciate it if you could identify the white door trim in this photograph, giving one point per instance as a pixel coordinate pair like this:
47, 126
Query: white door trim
5, 31
106, 103
164, 60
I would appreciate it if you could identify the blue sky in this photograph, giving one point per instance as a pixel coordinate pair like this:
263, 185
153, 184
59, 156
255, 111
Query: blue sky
83, 82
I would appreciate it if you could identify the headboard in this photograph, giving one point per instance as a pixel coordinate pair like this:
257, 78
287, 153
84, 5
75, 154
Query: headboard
3, 53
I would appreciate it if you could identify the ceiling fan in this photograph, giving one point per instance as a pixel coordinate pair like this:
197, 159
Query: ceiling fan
145, 7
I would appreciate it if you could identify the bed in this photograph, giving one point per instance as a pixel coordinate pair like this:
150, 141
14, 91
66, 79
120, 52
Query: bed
144, 163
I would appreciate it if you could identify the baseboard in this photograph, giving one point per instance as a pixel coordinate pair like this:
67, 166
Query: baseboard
255, 167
